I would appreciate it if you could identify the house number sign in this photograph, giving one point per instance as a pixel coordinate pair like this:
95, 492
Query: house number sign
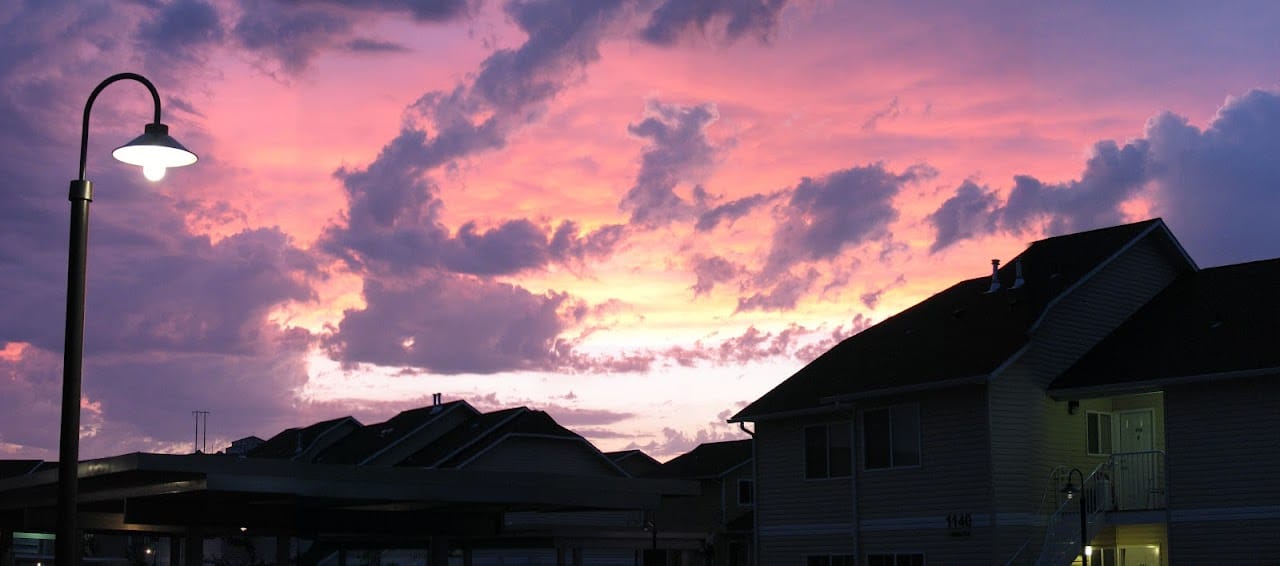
960, 524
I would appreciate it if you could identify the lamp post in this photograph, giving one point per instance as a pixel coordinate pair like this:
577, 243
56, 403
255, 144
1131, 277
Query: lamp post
1070, 490
154, 151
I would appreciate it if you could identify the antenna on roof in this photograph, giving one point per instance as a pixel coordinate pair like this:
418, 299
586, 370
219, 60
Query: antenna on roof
995, 276
1018, 281
202, 422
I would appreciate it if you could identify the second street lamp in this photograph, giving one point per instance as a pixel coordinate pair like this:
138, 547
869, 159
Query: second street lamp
155, 152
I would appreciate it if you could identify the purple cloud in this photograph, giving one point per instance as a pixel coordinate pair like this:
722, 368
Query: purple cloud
678, 151
452, 324
1215, 187
784, 293
710, 271
827, 215
728, 19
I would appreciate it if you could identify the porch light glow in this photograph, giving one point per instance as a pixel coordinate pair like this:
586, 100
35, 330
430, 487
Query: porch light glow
1088, 550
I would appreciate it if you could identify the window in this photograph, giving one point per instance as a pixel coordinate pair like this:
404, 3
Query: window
891, 437
828, 451
746, 492
830, 560
1099, 440
899, 559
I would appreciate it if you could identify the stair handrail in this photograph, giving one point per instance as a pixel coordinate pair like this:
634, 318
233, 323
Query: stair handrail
1061, 537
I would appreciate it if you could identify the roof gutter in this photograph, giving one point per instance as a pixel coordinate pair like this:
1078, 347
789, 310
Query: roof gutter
785, 414
1146, 385
944, 384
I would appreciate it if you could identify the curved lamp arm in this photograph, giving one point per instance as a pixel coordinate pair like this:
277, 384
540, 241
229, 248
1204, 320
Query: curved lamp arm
88, 105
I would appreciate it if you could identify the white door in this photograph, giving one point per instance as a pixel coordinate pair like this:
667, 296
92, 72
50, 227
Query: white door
1134, 466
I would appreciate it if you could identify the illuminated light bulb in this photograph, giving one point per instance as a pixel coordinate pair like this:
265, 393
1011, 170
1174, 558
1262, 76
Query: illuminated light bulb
1088, 551
153, 172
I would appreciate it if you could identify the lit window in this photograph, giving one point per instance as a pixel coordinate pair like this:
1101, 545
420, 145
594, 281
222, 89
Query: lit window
891, 437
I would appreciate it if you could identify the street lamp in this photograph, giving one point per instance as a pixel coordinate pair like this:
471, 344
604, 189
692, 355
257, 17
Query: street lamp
1070, 490
155, 152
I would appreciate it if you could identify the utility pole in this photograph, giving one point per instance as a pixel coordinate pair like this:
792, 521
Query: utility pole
202, 423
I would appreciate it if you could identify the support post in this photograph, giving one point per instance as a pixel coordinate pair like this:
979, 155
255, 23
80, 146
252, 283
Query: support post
439, 551
6, 548
283, 543
194, 547
175, 551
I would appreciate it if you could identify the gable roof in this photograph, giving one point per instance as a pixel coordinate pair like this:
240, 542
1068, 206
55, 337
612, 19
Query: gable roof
483, 431
707, 461
293, 441
634, 462
1214, 322
959, 335
368, 441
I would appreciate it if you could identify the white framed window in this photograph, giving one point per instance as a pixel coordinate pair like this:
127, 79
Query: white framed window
891, 437
828, 451
1098, 433
746, 492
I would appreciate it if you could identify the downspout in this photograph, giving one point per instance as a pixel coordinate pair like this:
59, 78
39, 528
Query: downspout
754, 548
853, 483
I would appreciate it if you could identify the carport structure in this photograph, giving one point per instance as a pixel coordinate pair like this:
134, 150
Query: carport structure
189, 498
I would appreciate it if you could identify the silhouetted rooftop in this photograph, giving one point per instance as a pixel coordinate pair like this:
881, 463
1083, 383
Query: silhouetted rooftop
368, 440
710, 460
292, 441
483, 431
1218, 320
961, 333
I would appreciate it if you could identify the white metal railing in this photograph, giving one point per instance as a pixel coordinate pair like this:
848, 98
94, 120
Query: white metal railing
1137, 481
1062, 534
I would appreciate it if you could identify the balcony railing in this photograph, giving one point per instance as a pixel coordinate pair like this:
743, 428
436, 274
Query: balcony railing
1136, 482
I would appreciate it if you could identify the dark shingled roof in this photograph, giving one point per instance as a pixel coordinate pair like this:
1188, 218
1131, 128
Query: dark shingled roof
285, 445
11, 468
1223, 319
962, 332
483, 431
634, 462
710, 460
369, 440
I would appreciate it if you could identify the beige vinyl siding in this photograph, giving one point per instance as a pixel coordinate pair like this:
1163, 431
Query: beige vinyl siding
1224, 543
911, 504
549, 455
797, 516
937, 546
1031, 434
952, 476
1223, 445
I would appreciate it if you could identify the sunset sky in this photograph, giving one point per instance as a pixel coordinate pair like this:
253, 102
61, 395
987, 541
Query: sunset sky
636, 215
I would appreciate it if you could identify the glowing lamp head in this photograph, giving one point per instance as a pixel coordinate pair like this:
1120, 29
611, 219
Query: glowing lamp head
155, 151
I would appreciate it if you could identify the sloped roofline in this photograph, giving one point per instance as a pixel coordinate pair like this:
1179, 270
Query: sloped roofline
337, 423
403, 437
474, 439
503, 438
1158, 225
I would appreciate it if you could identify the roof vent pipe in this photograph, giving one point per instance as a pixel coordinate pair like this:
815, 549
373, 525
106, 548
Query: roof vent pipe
995, 276
435, 398
1018, 281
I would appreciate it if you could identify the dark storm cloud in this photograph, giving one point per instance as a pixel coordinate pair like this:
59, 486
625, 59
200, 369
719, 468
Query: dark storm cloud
727, 19
1216, 188
677, 151
827, 215
451, 324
